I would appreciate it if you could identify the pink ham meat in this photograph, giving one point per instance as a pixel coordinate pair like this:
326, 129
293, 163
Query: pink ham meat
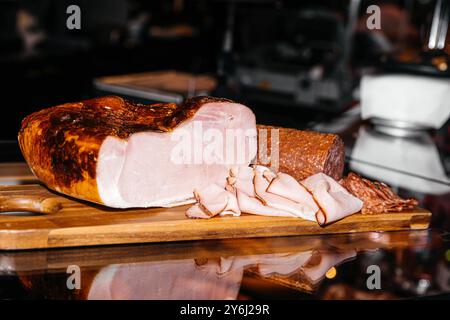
267, 173
254, 206
334, 200
213, 200
278, 202
247, 190
141, 172
260, 191
196, 212
286, 186
242, 179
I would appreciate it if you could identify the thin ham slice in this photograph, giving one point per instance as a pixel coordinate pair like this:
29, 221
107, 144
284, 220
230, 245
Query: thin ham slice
252, 205
195, 212
286, 186
334, 200
267, 173
241, 177
279, 202
232, 207
213, 200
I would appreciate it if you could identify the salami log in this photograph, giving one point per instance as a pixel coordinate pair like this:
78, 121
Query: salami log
300, 153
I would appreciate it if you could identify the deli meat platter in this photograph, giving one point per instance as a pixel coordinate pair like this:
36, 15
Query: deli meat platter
112, 171
66, 222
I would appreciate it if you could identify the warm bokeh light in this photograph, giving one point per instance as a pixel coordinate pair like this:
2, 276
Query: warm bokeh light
331, 273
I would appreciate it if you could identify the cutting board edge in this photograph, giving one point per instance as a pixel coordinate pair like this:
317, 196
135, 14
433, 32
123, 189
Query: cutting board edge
76, 236
29, 239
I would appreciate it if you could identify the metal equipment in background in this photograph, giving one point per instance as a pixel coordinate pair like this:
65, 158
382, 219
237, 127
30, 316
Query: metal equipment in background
431, 64
292, 57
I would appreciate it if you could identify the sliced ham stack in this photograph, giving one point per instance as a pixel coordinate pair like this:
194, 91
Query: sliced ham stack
258, 190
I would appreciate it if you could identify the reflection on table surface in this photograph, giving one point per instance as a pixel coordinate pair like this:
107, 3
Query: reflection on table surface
412, 264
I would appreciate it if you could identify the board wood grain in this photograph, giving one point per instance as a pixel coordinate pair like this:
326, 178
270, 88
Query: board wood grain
65, 222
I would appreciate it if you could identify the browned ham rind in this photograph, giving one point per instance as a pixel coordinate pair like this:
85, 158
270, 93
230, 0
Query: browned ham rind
377, 196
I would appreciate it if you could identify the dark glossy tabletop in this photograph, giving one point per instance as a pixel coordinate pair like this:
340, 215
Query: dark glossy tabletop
411, 264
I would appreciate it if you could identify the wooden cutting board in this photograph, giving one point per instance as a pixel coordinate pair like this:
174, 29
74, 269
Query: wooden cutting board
65, 222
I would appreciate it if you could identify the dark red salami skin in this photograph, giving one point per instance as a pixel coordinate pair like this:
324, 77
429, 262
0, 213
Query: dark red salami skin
303, 153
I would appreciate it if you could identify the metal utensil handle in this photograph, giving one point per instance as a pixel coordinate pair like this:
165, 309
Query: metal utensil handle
439, 25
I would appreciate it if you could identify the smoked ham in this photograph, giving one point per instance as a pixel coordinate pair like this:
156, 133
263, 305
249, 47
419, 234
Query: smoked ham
122, 154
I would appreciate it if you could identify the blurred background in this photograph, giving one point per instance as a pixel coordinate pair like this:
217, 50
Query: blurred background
280, 57
375, 72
